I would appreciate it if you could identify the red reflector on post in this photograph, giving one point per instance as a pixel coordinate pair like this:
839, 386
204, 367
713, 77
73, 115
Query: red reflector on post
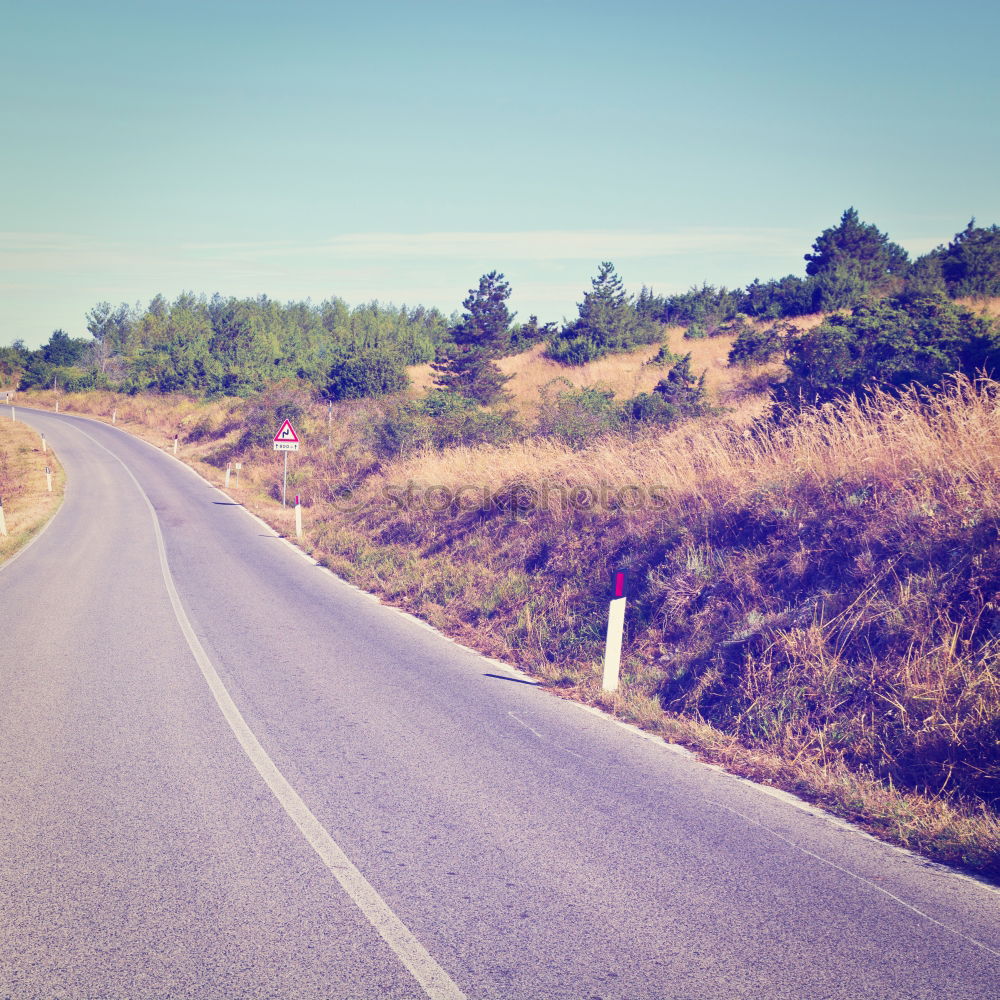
619, 584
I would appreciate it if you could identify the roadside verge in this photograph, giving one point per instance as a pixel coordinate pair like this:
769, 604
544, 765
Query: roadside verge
28, 504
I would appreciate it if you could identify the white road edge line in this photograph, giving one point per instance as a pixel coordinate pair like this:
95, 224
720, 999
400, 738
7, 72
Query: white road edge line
866, 881
434, 981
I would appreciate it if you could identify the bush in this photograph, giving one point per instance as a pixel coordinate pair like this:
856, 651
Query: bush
266, 413
441, 420
677, 397
895, 343
707, 305
367, 373
576, 350
757, 347
575, 416
664, 356
779, 298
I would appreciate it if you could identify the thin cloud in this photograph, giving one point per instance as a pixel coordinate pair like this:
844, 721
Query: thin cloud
521, 245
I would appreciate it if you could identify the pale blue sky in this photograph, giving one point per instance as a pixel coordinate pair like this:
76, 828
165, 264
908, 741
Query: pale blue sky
399, 150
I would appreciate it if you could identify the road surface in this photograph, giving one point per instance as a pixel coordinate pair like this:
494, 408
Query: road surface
228, 774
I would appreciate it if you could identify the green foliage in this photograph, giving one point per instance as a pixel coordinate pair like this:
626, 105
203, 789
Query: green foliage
373, 372
683, 390
575, 416
731, 327
62, 349
664, 356
608, 322
678, 396
894, 343
13, 359
463, 370
482, 334
441, 420
971, 263
238, 346
267, 411
707, 307
780, 297
755, 347
525, 335
852, 259
485, 325
925, 277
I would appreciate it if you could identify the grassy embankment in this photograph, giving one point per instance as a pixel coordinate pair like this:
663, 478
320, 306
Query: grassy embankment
816, 607
27, 504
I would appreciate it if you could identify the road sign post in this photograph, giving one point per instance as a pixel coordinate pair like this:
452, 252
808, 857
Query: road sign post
286, 440
616, 629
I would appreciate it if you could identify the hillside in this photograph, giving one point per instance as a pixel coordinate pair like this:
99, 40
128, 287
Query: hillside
626, 374
815, 603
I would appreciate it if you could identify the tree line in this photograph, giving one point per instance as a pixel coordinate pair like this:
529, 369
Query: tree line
894, 319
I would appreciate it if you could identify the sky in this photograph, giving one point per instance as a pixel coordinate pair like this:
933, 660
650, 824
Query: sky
398, 150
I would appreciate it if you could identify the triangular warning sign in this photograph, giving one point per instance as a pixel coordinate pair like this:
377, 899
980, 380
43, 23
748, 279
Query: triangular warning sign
286, 433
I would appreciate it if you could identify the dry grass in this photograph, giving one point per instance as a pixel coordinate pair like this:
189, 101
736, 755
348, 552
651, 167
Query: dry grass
624, 374
718, 463
27, 504
986, 306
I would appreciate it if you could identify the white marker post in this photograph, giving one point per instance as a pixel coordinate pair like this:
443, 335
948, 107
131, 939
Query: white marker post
48, 479
298, 518
239, 465
229, 469
57, 406
175, 444
12, 417
3, 520
114, 415
286, 440
616, 629
44, 448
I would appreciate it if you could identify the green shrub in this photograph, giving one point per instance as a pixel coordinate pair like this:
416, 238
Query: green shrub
575, 416
367, 373
894, 343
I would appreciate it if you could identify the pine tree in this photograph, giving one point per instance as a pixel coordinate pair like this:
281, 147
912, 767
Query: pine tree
481, 335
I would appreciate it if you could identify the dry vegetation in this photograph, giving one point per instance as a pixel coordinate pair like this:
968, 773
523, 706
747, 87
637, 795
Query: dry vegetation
624, 374
816, 605
27, 504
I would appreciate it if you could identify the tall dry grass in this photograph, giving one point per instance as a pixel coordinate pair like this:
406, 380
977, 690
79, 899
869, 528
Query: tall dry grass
948, 437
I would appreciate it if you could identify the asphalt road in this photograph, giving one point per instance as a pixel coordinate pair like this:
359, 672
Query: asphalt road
245, 779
